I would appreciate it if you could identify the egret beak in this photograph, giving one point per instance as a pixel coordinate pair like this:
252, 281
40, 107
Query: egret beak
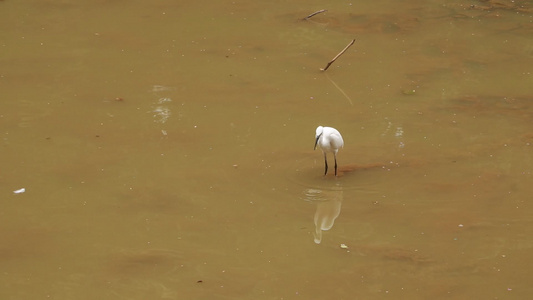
316, 142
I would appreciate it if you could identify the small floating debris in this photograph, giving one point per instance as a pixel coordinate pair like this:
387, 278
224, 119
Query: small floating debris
161, 88
343, 246
409, 91
315, 13
19, 191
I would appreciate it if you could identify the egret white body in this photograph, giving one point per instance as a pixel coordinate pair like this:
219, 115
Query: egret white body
328, 139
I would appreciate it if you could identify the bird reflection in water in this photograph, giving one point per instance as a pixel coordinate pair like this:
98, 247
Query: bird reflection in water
328, 208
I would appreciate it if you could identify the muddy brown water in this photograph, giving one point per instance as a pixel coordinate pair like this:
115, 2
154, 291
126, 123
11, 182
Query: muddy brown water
166, 150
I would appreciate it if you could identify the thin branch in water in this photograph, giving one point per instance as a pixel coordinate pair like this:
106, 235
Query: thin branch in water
315, 13
340, 53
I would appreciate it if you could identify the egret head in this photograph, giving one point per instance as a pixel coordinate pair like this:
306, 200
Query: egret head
318, 134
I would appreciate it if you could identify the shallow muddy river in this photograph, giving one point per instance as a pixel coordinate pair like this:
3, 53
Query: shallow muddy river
164, 150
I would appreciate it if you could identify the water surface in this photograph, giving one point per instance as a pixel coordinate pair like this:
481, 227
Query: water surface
166, 150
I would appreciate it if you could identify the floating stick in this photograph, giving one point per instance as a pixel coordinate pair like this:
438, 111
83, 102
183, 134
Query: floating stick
315, 13
340, 53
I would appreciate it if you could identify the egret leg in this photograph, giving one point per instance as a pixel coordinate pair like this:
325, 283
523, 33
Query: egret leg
335, 165
326, 163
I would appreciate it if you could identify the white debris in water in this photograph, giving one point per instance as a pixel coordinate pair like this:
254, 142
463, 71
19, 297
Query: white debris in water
163, 100
19, 191
399, 132
161, 114
161, 88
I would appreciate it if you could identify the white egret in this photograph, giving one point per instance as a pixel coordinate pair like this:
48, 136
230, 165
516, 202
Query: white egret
329, 140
